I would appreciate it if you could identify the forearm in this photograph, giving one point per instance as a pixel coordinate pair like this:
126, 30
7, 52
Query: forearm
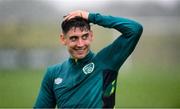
123, 25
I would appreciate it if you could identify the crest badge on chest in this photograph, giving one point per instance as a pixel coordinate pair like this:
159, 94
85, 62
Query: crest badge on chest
89, 68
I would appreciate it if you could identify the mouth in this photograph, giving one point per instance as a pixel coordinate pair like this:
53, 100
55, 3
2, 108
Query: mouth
80, 50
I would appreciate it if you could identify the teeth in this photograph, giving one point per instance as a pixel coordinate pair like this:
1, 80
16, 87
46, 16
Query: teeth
79, 49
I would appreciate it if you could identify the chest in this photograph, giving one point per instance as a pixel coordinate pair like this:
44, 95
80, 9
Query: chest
78, 86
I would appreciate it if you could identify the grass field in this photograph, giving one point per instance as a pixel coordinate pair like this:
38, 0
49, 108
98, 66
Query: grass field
138, 87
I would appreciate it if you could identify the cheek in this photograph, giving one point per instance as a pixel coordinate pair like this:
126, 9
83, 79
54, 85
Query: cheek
70, 44
88, 42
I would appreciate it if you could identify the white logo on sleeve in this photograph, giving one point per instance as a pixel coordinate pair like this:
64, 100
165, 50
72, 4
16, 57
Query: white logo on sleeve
88, 68
58, 81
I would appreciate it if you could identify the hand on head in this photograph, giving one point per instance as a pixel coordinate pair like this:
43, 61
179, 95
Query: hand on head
77, 13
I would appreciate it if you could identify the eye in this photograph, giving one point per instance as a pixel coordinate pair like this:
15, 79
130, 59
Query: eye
84, 37
73, 38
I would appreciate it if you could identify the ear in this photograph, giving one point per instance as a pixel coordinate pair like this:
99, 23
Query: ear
62, 39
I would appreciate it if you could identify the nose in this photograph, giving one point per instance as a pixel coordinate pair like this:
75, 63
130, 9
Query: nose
80, 43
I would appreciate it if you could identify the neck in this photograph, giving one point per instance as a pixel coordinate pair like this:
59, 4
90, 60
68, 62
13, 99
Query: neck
76, 59
82, 60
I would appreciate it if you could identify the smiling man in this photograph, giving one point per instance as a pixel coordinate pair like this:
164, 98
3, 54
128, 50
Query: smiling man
77, 36
88, 80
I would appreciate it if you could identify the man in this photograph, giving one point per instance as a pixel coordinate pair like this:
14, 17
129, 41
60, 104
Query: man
88, 80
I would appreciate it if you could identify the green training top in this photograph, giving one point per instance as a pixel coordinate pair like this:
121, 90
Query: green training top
90, 82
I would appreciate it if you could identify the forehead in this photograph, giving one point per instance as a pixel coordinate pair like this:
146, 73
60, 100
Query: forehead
77, 31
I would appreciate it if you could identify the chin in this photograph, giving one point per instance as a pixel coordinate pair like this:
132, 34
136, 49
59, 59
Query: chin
79, 55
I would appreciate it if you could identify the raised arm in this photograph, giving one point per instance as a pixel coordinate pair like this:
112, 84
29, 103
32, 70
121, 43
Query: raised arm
114, 55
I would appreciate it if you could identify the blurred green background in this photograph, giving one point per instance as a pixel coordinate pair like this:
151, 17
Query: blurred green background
29, 42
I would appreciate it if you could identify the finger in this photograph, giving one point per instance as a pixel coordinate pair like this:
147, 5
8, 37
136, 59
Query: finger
73, 14
67, 17
70, 17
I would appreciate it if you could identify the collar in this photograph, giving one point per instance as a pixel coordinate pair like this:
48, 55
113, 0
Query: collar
82, 61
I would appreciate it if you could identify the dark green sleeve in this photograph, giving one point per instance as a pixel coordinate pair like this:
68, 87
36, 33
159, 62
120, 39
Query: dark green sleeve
46, 98
114, 55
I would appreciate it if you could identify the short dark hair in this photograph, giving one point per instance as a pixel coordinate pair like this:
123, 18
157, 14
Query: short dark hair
77, 22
